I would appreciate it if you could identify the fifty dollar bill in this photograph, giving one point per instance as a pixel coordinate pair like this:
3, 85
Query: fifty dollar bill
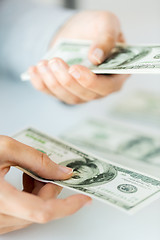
93, 176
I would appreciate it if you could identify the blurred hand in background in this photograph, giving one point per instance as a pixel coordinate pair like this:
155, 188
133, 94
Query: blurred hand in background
77, 84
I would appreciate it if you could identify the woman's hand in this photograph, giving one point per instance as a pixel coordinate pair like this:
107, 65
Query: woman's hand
37, 202
77, 84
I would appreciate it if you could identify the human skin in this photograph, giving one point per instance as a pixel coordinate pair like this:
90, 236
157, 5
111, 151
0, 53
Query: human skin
38, 202
77, 84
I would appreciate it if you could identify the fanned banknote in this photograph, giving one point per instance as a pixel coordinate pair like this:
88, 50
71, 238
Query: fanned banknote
124, 59
102, 179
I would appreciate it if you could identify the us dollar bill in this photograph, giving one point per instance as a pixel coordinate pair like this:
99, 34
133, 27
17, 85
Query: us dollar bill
99, 178
140, 106
122, 143
123, 59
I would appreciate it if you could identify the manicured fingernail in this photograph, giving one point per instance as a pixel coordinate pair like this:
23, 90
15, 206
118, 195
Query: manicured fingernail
98, 55
65, 169
42, 68
74, 73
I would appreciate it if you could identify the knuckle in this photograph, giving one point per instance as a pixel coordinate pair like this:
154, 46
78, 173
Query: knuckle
44, 217
40, 86
89, 84
53, 85
98, 96
110, 38
42, 62
67, 203
76, 101
107, 92
40, 214
44, 160
118, 85
32, 216
2, 220
71, 208
89, 97
67, 82
93, 96
67, 102
5, 143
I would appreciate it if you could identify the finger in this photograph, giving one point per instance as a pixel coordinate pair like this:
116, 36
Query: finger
121, 38
101, 49
60, 208
37, 80
19, 204
12, 228
33, 208
31, 185
100, 84
49, 191
45, 191
55, 87
60, 70
15, 153
106, 39
9, 221
4, 170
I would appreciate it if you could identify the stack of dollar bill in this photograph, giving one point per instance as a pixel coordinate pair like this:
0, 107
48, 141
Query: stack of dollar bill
124, 59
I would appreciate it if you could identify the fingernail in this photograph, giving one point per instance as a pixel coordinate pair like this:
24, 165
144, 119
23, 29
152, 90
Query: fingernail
74, 73
98, 54
55, 65
65, 169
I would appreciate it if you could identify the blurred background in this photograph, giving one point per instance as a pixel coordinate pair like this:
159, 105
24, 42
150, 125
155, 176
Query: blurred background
22, 106
139, 18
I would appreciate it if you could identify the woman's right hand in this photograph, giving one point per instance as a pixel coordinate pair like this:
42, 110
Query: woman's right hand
37, 203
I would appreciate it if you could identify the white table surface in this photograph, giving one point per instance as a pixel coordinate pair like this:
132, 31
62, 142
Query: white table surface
21, 106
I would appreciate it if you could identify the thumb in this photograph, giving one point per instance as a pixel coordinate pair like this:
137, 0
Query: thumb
14, 153
101, 48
